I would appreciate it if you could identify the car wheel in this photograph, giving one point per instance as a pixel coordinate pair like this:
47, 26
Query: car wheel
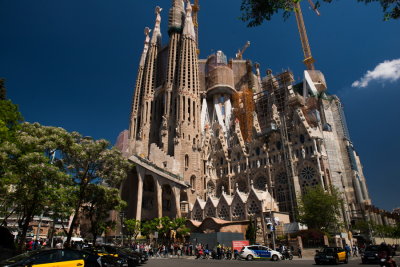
317, 263
291, 257
275, 257
337, 261
249, 257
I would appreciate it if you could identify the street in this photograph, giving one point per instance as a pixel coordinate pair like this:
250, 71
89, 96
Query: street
225, 263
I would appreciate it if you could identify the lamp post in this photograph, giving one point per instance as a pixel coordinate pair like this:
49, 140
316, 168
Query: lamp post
122, 217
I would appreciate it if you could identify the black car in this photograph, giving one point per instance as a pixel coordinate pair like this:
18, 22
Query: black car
333, 255
142, 255
114, 256
370, 255
54, 258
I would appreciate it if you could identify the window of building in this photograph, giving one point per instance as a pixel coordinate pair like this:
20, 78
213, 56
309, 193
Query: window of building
186, 161
193, 182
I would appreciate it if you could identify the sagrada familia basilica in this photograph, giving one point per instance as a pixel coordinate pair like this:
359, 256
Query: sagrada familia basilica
215, 138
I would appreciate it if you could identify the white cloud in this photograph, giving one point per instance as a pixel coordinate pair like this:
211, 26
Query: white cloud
389, 70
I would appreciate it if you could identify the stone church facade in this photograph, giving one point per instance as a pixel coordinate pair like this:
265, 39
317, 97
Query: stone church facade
216, 133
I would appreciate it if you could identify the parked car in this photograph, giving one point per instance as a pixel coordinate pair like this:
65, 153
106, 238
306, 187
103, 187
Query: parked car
370, 254
115, 256
54, 258
259, 252
142, 255
333, 255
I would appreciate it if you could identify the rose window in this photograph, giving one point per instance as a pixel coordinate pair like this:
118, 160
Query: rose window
308, 177
307, 173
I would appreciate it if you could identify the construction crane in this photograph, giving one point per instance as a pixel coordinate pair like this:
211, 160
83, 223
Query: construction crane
313, 6
196, 9
239, 54
308, 59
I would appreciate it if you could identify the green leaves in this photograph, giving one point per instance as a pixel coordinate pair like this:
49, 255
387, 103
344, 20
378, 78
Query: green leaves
255, 12
319, 209
165, 227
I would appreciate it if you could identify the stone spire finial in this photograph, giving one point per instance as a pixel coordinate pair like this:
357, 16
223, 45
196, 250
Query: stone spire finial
156, 38
188, 29
147, 31
223, 190
251, 184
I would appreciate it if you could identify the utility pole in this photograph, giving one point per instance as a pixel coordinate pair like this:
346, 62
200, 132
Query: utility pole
122, 216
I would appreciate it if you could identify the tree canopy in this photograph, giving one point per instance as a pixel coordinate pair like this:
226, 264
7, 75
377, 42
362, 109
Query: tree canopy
319, 209
10, 117
255, 12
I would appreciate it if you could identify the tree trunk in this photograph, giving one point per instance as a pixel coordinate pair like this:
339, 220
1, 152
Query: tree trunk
72, 227
25, 227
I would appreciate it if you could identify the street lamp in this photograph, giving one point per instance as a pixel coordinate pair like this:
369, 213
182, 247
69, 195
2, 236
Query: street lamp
122, 217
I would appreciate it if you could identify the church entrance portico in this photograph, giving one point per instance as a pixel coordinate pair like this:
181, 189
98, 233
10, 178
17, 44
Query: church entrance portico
155, 193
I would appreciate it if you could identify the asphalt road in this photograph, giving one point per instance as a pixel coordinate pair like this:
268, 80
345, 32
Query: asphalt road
231, 263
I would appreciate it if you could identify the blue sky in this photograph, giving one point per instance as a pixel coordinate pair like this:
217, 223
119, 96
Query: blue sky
73, 64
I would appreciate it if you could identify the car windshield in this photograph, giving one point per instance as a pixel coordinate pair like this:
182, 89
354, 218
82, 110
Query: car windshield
23, 256
372, 248
328, 250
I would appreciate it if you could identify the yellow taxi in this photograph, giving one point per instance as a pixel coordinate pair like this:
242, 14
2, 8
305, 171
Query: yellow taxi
54, 258
331, 255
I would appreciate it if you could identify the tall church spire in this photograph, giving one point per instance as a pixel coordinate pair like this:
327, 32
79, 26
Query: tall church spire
134, 122
149, 83
187, 105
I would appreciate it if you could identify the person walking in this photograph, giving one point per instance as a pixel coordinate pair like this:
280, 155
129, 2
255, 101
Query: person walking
355, 250
299, 252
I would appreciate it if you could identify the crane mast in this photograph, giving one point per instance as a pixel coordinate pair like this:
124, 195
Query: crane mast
308, 59
196, 9
239, 54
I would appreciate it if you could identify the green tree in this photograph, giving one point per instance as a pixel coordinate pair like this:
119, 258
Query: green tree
149, 227
251, 231
10, 117
178, 226
89, 162
100, 200
319, 209
132, 228
255, 12
33, 180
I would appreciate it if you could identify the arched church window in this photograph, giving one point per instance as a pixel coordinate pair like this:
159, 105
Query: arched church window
186, 161
210, 212
253, 208
279, 145
223, 213
198, 216
281, 196
302, 138
238, 212
193, 182
258, 151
